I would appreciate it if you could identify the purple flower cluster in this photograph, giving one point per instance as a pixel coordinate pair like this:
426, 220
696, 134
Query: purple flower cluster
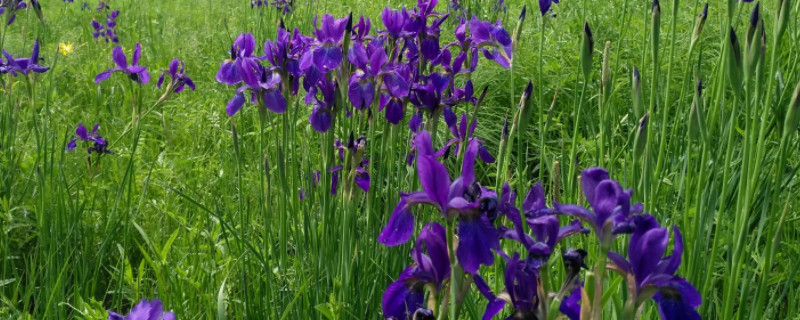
480, 218
107, 30
11, 6
179, 78
95, 143
345, 65
22, 66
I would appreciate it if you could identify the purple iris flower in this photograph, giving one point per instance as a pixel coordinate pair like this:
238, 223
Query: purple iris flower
464, 198
428, 95
98, 144
571, 307
522, 283
395, 22
460, 134
242, 65
136, 72
611, 206
284, 6
25, 65
541, 220
145, 310
356, 148
266, 90
676, 298
431, 266
493, 40
544, 6
326, 53
12, 6
107, 31
361, 30
322, 112
179, 79
102, 6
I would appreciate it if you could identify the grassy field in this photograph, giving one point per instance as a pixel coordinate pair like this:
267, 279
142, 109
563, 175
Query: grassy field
223, 217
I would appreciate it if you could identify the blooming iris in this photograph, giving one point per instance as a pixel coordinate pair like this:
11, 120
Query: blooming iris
431, 266
179, 79
25, 65
145, 310
464, 198
11, 6
544, 6
652, 275
134, 71
611, 206
492, 39
98, 144
326, 53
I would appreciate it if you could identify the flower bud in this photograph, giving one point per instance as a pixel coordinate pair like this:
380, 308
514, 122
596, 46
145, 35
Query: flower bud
655, 35
641, 137
518, 31
587, 50
638, 99
605, 73
698, 28
752, 41
734, 63
793, 114
696, 117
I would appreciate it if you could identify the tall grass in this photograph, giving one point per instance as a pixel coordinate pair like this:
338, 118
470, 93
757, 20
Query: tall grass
202, 210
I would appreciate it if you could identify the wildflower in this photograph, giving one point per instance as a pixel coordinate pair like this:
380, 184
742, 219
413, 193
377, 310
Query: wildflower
544, 6
355, 149
653, 276
12, 6
107, 30
102, 6
494, 36
145, 310
464, 198
25, 65
522, 282
179, 79
611, 206
98, 144
266, 90
431, 266
65, 48
242, 64
326, 53
136, 72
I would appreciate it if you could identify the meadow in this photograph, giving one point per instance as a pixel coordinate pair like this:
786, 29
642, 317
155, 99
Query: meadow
459, 159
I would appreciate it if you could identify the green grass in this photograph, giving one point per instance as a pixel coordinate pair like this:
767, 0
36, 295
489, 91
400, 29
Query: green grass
185, 210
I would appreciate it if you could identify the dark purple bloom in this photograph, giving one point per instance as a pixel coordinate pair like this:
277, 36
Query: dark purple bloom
266, 91
327, 52
102, 6
646, 268
463, 198
544, 6
97, 143
522, 283
145, 310
431, 266
396, 22
179, 79
25, 65
492, 39
322, 112
136, 72
460, 134
11, 6
611, 205
571, 307
355, 151
242, 65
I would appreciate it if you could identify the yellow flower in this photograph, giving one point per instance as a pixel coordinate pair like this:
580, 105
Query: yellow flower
65, 48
